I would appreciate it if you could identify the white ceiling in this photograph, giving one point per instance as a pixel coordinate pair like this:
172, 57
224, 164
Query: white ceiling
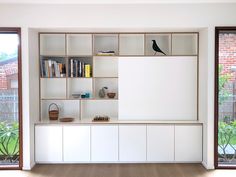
110, 1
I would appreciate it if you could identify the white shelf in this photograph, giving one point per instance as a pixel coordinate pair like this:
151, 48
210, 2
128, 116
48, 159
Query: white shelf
131, 44
163, 41
111, 83
79, 85
91, 108
67, 108
105, 42
53, 88
184, 44
79, 44
52, 44
105, 67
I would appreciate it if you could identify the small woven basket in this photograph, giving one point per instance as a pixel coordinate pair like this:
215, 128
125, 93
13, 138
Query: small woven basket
54, 113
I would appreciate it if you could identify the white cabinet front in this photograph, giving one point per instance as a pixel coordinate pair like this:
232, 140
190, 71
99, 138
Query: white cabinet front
76, 143
188, 143
104, 143
48, 144
132, 143
160, 143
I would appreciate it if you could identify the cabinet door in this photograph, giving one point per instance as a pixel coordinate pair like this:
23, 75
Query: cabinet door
132, 143
188, 143
104, 143
160, 143
48, 143
76, 143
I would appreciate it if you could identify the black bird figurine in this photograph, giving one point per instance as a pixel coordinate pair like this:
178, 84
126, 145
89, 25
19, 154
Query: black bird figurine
156, 48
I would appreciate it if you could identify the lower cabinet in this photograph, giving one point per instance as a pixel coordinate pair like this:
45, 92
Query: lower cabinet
104, 143
160, 143
76, 143
132, 143
48, 143
118, 143
188, 143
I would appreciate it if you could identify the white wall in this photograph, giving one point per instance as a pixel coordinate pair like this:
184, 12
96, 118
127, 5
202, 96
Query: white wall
117, 18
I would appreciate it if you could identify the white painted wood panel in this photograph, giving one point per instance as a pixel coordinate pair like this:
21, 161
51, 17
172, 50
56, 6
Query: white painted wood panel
76, 143
104, 143
158, 88
48, 143
132, 143
188, 143
160, 143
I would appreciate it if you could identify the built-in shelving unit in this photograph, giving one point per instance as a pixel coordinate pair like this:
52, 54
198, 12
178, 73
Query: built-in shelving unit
83, 63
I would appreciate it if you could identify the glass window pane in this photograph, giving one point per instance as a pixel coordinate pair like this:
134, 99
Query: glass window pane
9, 116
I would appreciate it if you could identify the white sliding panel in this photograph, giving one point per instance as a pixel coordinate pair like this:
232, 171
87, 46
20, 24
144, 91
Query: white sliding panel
158, 88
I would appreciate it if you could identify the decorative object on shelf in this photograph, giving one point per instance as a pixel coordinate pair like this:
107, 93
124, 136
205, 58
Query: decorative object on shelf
156, 48
85, 95
106, 53
54, 113
102, 92
66, 119
111, 95
101, 119
76, 95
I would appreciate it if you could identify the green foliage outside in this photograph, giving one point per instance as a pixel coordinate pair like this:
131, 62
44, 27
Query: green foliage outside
223, 79
9, 142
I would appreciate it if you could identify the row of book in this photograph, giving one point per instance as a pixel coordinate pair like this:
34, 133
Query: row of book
52, 68
80, 69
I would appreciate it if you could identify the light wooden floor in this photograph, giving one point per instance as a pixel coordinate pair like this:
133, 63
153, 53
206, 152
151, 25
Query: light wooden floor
120, 170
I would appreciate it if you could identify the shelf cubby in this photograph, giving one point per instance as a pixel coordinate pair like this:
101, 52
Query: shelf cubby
105, 67
76, 72
163, 41
79, 86
51, 66
92, 108
105, 42
52, 44
131, 44
79, 44
53, 88
185, 44
67, 108
111, 83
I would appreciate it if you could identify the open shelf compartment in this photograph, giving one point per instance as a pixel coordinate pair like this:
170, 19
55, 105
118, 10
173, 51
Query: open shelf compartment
79, 44
131, 44
52, 44
103, 43
67, 108
185, 44
105, 67
76, 87
163, 41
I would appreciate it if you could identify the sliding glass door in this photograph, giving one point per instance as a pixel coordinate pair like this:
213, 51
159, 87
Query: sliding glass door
225, 107
10, 98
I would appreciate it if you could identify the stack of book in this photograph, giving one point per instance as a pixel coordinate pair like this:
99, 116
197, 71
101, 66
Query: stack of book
52, 68
106, 53
79, 68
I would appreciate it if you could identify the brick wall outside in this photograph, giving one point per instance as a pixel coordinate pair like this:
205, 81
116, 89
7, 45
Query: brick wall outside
5, 71
227, 53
